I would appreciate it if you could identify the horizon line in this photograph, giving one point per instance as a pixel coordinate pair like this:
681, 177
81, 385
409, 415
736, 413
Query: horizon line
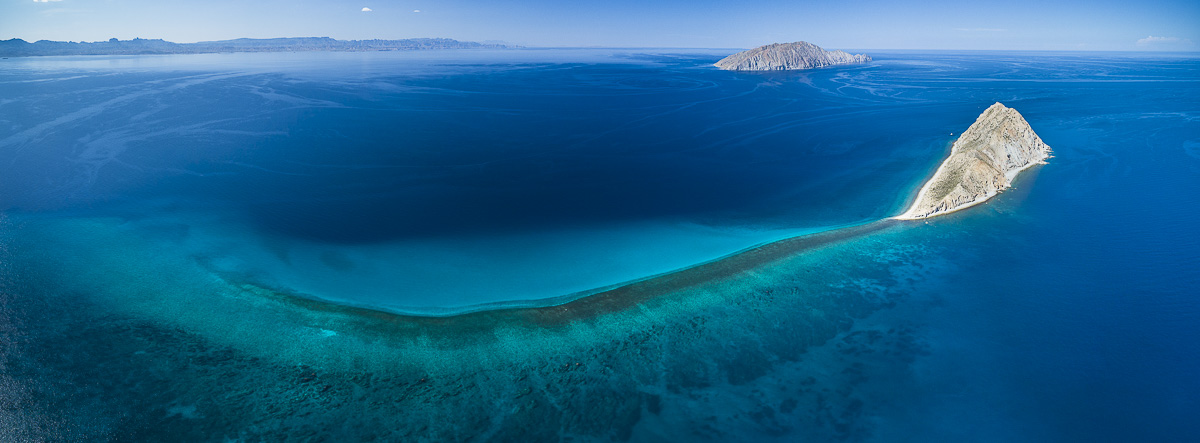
526, 46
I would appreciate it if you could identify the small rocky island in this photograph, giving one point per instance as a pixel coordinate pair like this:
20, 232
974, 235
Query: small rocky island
787, 56
983, 161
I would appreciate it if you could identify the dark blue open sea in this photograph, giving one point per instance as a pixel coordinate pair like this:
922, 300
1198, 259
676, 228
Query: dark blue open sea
482, 246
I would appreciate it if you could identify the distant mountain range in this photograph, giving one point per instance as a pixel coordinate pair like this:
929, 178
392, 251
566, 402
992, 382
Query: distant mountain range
19, 48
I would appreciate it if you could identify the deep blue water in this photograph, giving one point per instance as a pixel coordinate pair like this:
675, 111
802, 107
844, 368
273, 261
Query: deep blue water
142, 189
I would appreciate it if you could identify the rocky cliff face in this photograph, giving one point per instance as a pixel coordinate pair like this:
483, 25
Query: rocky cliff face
983, 161
783, 56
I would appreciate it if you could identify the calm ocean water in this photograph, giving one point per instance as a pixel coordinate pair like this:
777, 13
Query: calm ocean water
160, 213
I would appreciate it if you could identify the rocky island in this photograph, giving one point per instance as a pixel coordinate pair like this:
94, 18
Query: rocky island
788, 56
983, 161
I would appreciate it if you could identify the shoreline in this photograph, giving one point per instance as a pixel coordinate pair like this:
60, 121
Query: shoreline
925, 186
1010, 176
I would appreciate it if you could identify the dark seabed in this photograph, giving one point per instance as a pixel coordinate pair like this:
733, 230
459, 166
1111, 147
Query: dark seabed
250, 247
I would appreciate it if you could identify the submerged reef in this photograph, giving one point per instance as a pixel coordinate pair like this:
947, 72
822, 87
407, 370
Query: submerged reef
983, 161
788, 56
740, 348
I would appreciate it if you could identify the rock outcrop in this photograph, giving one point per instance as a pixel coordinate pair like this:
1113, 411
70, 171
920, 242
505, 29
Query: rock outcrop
785, 56
983, 161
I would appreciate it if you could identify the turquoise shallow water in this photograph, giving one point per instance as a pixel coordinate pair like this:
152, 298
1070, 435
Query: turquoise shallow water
161, 214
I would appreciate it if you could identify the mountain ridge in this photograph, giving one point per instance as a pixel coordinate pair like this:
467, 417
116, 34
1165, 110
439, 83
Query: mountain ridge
139, 46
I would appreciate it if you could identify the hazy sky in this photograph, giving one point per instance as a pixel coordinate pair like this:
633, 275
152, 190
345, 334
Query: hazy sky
850, 24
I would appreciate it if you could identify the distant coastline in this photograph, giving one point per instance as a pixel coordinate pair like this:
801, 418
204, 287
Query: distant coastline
20, 48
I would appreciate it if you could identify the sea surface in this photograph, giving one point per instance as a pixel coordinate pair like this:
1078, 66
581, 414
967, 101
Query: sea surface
478, 245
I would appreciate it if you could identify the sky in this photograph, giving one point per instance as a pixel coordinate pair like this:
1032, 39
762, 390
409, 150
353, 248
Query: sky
1110, 25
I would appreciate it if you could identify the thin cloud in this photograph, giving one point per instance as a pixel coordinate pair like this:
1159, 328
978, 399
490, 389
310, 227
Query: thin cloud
981, 29
1152, 40
416, 10
46, 1
367, 10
